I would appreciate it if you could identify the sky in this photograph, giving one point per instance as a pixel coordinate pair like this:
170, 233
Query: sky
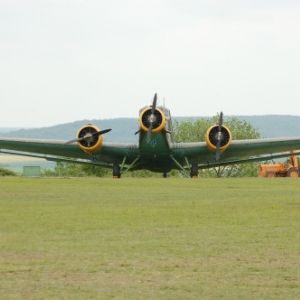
68, 60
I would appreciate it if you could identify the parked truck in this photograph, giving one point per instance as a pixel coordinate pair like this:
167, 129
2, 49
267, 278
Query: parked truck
288, 169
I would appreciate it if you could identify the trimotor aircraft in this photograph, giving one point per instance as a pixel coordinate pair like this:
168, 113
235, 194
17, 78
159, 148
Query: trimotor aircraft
156, 149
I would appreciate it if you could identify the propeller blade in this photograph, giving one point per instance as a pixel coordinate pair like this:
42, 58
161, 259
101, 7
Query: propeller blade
220, 121
88, 136
151, 118
73, 141
149, 133
101, 132
219, 137
154, 104
218, 152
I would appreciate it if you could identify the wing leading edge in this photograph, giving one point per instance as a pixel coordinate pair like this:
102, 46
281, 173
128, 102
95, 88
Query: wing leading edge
60, 150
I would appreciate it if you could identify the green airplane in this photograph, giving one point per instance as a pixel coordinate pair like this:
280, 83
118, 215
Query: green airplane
156, 149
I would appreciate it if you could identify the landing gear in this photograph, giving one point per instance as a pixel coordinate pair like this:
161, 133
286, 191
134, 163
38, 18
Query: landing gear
194, 170
165, 175
116, 171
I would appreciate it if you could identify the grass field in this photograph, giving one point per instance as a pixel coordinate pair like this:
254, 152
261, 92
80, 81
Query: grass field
149, 238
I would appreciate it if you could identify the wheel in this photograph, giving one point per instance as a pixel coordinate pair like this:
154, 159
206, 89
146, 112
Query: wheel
165, 175
292, 173
116, 171
271, 174
194, 170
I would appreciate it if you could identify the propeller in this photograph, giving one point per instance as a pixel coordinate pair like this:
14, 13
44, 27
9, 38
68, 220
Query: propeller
88, 136
152, 118
219, 136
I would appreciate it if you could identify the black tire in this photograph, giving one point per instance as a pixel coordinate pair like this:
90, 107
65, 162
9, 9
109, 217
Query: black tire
116, 171
293, 173
194, 170
271, 174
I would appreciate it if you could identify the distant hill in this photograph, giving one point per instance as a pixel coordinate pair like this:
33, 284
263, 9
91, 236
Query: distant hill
275, 125
124, 128
8, 129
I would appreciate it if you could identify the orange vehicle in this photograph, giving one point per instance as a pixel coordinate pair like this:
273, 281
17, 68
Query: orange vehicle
289, 169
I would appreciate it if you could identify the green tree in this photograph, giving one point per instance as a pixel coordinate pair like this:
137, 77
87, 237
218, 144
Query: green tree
76, 170
97, 171
189, 131
7, 172
68, 169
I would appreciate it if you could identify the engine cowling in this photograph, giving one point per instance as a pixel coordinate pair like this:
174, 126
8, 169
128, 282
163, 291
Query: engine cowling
89, 144
213, 135
158, 119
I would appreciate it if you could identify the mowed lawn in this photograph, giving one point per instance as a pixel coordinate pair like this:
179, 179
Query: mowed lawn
149, 238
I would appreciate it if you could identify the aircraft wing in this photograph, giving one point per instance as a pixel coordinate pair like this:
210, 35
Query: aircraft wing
58, 150
239, 151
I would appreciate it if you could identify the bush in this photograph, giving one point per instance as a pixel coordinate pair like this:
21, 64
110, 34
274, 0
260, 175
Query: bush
7, 172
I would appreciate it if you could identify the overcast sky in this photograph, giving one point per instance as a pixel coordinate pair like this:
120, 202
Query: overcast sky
68, 60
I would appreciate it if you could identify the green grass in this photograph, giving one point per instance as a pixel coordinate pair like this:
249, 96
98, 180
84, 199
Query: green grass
149, 238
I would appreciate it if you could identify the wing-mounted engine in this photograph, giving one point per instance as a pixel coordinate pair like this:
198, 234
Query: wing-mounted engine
218, 137
87, 141
89, 138
152, 119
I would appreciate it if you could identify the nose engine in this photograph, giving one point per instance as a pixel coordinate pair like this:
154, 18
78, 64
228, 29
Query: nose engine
152, 119
155, 121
